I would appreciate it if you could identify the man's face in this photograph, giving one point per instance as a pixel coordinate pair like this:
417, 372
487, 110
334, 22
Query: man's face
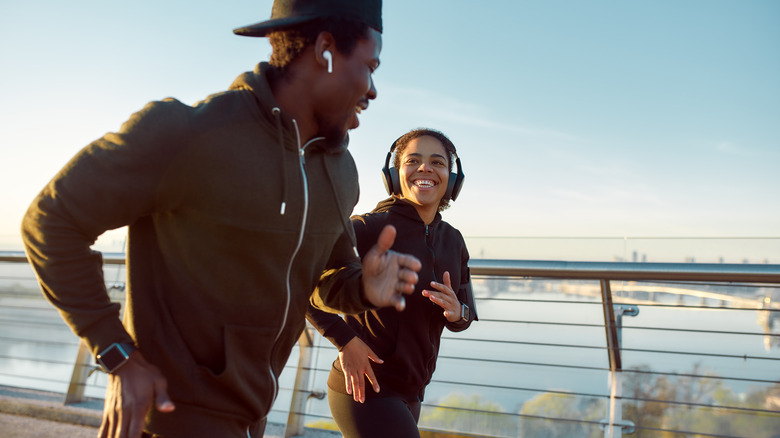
348, 89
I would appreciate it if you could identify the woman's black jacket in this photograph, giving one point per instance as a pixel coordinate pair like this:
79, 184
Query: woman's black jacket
407, 341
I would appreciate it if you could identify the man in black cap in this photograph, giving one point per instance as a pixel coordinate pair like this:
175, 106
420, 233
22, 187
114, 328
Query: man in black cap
237, 210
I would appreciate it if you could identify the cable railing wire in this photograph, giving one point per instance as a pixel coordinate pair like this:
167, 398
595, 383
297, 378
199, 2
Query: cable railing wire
624, 300
698, 376
704, 405
29, 323
40, 341
589, 368
517, 415
38, 360
36, 378
625, 327
602, 347
686, 433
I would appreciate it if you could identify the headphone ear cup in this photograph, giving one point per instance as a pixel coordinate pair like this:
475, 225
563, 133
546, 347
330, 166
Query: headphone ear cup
455, 182
390, 177
395, 181
390, 174
457, 186
452, 181
388, 180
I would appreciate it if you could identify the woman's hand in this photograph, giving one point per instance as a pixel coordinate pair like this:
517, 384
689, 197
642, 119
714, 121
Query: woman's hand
354, 363
445, 298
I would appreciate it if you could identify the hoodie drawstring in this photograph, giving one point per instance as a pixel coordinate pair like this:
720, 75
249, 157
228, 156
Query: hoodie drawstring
277, 112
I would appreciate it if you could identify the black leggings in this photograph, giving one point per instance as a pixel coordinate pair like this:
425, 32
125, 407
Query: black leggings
378, 417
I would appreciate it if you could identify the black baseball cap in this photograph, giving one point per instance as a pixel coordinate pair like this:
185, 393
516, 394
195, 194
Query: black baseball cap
286, 14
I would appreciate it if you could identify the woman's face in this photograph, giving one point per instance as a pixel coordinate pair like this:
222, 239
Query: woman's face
424, 172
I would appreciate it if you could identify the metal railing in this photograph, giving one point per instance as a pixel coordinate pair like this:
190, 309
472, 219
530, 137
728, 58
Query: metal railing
580, 349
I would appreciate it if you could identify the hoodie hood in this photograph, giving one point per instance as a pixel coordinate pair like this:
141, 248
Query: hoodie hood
274, 118
258, 82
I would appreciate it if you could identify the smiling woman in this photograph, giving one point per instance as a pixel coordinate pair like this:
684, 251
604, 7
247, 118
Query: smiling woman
403, 346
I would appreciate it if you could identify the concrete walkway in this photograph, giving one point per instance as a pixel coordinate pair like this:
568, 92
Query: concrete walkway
17, 426
27, 413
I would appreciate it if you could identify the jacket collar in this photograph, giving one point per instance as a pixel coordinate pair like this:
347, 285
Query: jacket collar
404, 208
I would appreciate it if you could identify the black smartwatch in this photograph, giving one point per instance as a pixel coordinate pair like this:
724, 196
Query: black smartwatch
113, 357
464, 312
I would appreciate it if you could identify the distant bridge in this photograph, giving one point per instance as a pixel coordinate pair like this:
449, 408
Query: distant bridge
593, 290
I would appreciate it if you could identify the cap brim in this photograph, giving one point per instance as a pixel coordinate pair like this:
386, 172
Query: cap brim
265, 27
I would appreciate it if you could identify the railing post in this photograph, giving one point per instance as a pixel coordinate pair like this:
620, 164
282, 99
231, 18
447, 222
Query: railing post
613, 324
78, 380
614, 413
613, 349
612, 425
301, 393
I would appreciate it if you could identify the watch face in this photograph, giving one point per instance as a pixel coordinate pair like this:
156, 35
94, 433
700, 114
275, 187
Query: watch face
464, 312
112, 357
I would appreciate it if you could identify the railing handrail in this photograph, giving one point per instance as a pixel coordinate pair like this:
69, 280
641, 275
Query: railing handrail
13, 256
635, 271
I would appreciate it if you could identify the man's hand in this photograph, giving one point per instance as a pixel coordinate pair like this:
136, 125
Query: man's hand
131, 392
445, 298
387, 275
354, 363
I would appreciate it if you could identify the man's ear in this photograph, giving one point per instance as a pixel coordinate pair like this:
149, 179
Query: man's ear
325, 50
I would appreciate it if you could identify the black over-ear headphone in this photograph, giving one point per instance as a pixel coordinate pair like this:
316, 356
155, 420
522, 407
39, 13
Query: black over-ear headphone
393, 183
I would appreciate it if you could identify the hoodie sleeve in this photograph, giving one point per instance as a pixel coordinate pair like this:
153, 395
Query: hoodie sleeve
340, 289
464, 292
330, 326
108, 184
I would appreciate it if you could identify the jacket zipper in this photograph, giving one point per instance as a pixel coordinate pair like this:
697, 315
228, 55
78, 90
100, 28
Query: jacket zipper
301, 232
431, 363
429, 245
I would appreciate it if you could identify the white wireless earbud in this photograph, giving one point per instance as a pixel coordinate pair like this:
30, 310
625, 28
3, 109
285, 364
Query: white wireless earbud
329, 56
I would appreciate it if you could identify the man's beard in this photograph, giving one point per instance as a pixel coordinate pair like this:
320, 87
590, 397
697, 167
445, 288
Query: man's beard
336, 140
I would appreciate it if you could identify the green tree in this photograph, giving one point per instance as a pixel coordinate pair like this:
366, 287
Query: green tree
648, 395
468, 414
699, 404
554, 409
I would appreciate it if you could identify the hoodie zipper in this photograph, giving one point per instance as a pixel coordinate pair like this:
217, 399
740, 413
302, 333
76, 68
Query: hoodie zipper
431, 362
301, 232
429, 245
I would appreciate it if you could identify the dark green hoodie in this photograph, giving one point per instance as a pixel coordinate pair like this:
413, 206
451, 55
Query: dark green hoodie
231, 223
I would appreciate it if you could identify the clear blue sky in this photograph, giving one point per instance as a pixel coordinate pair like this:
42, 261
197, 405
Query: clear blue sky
572, 118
